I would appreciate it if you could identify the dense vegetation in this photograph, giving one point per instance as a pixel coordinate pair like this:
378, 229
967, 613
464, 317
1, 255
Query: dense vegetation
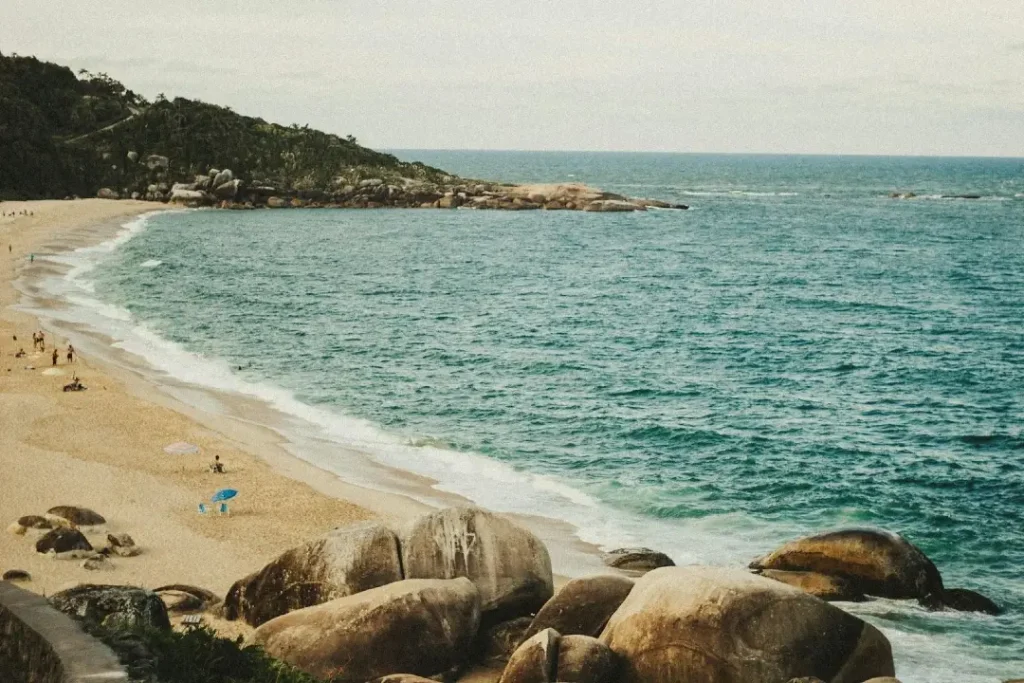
62, 134
196, 655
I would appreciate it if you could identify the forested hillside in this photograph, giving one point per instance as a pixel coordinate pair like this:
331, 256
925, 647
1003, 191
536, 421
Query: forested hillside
64, 134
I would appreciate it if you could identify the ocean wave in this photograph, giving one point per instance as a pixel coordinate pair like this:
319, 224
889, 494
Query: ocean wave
737, 193
151, 263
959, 197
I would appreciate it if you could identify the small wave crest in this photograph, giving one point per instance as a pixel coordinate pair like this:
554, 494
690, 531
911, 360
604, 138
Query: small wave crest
151, 263
737, 193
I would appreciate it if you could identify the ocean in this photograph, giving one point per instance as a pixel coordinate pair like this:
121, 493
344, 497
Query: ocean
796, 353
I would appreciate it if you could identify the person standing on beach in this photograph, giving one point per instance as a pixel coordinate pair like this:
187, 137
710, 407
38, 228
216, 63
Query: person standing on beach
71, 353
55, 355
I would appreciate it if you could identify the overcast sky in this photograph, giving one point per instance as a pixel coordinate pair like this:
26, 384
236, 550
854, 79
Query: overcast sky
828, 76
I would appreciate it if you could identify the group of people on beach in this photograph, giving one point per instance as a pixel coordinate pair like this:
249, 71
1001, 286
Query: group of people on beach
39, 344
23, 212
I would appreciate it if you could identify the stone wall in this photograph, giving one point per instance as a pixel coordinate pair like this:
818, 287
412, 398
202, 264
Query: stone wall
38, 644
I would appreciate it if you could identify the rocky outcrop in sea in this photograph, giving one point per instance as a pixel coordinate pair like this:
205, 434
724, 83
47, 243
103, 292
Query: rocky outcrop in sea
365, 188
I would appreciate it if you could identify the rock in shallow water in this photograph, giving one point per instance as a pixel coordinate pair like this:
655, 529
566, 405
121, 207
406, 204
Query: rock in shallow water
421, 627
875, 562
715, 625
962, 600
830, 588
17, 575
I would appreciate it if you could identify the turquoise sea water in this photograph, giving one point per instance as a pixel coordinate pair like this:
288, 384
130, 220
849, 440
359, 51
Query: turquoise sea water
798, 352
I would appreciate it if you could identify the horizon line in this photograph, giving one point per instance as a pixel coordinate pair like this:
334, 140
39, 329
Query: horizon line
870, 155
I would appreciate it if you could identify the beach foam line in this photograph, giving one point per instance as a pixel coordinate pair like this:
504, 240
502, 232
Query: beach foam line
487, 481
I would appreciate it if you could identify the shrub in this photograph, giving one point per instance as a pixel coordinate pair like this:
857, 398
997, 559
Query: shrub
195, 655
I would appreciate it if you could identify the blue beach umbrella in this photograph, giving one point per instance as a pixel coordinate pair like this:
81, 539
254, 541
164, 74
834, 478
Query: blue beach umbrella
224, 494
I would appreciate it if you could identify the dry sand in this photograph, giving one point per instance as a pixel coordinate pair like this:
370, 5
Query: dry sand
103, 449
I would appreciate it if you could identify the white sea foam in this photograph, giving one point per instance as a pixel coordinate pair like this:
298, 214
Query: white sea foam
938, 653
151, 263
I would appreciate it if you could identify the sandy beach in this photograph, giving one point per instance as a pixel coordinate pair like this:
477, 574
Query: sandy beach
103, 449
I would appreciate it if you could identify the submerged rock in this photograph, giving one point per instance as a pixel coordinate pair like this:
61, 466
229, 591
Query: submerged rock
961, 600
613, 205
707, 625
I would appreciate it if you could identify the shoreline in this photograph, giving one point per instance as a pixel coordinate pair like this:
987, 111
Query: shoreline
64, 450
244, 430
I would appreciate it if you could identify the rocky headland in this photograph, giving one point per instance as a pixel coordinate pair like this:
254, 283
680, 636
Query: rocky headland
87, 135
222, 190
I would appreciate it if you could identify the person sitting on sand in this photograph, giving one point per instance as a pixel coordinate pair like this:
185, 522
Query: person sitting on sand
55, 355
74, 385
20, 353
217, 467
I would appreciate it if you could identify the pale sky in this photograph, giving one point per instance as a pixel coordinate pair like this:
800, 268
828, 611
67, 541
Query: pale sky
788, 76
